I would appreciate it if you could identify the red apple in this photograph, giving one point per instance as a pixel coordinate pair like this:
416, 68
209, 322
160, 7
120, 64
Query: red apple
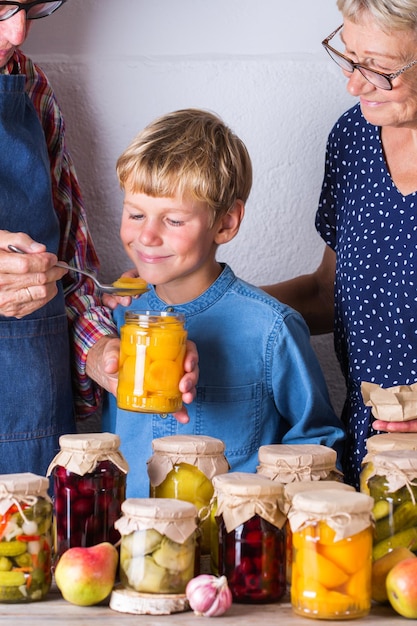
401, 586
86, 576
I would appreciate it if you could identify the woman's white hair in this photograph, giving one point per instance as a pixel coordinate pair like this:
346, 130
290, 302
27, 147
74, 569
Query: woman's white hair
388, 14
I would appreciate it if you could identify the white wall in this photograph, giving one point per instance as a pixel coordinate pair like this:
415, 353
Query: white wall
116, 65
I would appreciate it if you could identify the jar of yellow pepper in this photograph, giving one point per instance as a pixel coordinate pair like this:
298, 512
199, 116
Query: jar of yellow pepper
332, 554
152, 352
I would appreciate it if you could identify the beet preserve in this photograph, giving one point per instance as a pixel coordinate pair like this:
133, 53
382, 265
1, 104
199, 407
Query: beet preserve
251, 538
89, 485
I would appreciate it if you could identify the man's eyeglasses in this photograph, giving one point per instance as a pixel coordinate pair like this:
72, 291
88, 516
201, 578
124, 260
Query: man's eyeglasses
378, 79
34, 10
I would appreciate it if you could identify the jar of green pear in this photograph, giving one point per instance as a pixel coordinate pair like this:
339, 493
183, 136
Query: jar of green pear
159, 545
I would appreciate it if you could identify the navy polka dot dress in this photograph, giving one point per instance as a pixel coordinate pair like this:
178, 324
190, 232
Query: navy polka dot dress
373, 229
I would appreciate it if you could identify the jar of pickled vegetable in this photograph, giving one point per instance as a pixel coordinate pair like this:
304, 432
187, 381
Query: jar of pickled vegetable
332, 554
89, 486
159, 546
381, 443
392, 484
291, 463
182, 467
251, 533
152, 351
290, 489
25, 537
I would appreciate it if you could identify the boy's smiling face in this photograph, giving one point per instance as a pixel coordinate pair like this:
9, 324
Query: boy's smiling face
172, 243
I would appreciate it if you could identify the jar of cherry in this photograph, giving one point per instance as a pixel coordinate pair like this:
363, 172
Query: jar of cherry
89, 486
251, 533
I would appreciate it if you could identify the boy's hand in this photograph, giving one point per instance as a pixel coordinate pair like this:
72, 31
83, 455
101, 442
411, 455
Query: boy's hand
188, 382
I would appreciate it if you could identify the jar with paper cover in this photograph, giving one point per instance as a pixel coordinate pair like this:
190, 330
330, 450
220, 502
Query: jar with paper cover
89, 486
379, 444
251, 534
332, 554
25, 537
392, 483
182, 467
298, 462
290, 489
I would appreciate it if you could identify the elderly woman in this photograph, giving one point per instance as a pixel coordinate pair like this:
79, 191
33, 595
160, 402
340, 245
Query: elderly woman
365, 289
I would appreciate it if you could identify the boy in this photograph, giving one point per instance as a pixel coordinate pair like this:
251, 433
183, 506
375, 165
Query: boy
186, 178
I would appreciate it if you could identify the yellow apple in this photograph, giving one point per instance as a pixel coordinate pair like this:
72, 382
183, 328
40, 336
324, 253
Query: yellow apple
402, 588
86, 576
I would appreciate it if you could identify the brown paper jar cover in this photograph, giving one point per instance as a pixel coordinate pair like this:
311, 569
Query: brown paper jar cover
291, 489
176, 519
80, 453
204, 452
24, 487
242, 495
298, 462
393, 404
399, 469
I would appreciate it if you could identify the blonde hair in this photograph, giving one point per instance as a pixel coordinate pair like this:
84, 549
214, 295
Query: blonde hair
191, 153
389, 14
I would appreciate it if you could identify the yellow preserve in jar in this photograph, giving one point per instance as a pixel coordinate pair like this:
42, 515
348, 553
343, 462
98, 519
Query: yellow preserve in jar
332, 554
182, 467
152, 353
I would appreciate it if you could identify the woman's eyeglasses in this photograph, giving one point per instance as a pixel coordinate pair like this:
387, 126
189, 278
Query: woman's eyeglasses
377, 79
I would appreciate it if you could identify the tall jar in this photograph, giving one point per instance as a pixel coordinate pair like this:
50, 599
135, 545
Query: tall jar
392, 484
332, 554
89, 485
298, 462
152, 350
290, 489
382, 443
159, 545
251, 533
25, 537
182, 467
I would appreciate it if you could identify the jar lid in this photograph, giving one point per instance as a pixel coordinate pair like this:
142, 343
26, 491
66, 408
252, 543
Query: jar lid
204, 452
392, 441
398, 468
146, 318
80, 453
346, 512
25, 487
176, 519
297, 462
291, 489
242, 495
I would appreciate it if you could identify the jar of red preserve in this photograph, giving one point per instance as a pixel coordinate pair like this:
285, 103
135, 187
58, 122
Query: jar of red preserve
89, 486
251, 533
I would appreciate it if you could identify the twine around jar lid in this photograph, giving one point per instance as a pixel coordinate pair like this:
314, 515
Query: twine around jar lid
346, 512
176, 519
204, 452
399, 469
24, 487
389, 441
80, 453
289, 463
242, 495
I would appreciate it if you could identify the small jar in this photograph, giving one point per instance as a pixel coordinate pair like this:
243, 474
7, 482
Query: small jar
298, 462
381, 443
290, 489
159, 546
152, 351
251, 532
89, 485
182, 467
25, 537
332, 554
392, 484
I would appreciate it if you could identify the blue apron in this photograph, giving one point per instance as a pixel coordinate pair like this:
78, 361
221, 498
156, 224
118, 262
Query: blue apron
36, 404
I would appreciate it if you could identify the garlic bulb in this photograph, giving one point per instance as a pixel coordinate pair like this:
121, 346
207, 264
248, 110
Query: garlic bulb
208, 595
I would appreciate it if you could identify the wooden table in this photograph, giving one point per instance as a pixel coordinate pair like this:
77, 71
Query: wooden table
54, 611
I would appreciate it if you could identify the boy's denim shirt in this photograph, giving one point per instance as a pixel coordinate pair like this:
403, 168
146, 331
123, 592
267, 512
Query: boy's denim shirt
260, 381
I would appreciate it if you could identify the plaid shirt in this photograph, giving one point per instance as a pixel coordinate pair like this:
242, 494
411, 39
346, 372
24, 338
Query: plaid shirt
88, 319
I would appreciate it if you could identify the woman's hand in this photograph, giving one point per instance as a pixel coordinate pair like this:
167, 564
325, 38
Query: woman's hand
396, 427
27, 281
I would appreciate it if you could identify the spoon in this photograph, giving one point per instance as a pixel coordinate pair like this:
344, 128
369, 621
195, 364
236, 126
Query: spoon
105, 288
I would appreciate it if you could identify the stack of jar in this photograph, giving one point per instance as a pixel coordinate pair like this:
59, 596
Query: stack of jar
182, 467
